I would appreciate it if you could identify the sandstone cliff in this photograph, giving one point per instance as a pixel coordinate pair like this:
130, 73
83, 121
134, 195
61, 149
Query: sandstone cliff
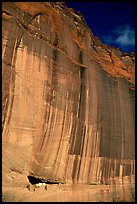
67, 99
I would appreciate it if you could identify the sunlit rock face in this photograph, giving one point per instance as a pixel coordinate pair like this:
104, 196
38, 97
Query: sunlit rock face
67, 99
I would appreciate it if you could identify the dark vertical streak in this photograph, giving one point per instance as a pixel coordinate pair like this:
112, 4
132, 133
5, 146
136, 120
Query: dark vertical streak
72, 137
10, 60
81, 151
81, 57
81, 113
61, 139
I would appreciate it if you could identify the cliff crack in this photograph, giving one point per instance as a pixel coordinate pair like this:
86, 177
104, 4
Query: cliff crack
110, 54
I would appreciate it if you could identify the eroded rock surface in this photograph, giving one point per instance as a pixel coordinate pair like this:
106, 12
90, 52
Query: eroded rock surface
67, 99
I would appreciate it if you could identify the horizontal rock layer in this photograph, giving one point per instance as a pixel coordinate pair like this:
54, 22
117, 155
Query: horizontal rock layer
67, 99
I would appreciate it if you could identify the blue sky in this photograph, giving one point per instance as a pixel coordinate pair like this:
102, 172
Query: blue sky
113, 23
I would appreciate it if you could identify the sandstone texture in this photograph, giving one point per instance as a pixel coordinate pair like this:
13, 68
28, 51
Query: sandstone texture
67, 100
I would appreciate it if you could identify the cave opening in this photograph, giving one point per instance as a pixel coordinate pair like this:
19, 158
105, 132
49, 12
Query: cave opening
33, 180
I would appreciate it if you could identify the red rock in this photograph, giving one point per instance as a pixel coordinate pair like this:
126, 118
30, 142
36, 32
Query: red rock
68, 107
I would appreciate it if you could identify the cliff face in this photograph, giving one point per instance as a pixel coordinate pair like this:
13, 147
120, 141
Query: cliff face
67, 99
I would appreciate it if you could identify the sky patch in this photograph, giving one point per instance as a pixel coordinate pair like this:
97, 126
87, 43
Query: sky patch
122, 36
